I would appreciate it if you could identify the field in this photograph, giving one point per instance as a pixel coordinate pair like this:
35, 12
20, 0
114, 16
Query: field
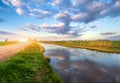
99, 45
28, 66
8, 43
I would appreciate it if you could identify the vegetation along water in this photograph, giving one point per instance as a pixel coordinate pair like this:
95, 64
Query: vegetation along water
28, 66
99, 45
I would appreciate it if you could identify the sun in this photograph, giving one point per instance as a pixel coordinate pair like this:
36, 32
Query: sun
22, 40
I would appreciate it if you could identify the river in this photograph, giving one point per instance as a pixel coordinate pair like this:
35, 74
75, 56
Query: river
75, 65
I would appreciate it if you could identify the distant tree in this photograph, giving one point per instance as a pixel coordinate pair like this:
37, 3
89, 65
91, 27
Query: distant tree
6, 40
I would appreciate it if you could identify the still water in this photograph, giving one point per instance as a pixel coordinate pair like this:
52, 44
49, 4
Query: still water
83, 66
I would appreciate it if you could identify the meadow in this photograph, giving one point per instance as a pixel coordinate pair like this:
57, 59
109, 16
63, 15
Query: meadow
28, 66
99, 45
2, 43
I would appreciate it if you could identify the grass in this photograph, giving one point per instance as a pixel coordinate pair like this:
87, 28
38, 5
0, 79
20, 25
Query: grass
7, 43
99, 45
28, 66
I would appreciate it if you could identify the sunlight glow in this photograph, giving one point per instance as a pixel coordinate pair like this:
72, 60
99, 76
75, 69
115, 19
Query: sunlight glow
22, 40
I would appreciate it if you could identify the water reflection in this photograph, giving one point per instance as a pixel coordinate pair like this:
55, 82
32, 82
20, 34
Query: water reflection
84, 66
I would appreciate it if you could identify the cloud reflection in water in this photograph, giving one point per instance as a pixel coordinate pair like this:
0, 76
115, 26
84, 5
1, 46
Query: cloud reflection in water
84, 66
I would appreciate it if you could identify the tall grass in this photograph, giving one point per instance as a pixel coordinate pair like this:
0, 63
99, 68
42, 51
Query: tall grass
7, 43
28, 66
100, 45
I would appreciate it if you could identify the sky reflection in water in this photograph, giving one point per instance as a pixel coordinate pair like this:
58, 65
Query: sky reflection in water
84, 66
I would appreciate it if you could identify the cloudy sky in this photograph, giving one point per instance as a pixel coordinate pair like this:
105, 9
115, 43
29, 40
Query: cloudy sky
60, 19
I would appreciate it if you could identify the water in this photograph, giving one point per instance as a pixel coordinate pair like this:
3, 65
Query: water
83, 66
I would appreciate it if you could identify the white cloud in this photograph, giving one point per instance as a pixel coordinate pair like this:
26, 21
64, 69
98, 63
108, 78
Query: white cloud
17, 3
52, 26
42, 12
58, 1
20, 11
117, 3
56, 28
6, 2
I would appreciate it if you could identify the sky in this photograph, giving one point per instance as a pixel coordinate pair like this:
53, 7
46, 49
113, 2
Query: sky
60, 19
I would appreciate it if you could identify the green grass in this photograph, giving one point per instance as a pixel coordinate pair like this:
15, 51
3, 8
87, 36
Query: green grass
28, 66
8, 43
99, 45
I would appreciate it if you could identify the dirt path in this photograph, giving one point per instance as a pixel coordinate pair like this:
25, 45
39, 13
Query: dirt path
10, 50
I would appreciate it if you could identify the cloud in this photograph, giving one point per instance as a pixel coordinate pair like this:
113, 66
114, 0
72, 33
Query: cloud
7, 33
11, 36
18, 4
78, 2
65, 12
95, 9
60, 28
30, 27
6, 2
19, 11
61, 4
28, 7
81, 17
108, 33
39, 13
94, 26
117, 37
79, 10
63, 17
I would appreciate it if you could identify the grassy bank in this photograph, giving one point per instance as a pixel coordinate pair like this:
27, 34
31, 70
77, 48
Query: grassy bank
99, 45
28, 66
7, 43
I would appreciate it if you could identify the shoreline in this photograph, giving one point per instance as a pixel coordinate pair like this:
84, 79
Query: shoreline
90, 48
101, 46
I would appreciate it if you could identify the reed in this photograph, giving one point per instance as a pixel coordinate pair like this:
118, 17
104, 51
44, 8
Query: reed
99, 45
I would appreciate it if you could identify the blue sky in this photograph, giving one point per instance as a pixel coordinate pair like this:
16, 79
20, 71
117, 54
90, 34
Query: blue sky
60, 19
